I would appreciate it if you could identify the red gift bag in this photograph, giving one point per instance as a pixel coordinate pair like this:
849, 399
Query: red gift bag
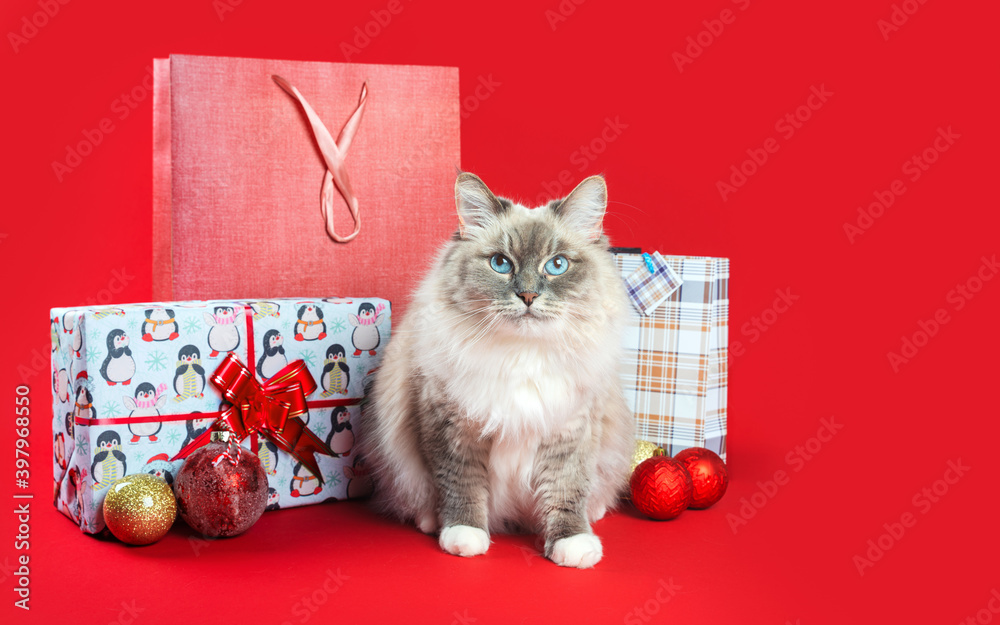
291, 178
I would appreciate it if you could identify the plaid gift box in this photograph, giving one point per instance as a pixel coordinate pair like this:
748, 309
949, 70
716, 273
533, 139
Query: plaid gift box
675, 372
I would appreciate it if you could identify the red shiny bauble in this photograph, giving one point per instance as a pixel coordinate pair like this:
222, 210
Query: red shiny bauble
708, 475
218, 498
661, 488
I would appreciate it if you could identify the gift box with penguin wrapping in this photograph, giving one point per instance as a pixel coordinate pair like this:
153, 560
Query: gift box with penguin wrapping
132, 387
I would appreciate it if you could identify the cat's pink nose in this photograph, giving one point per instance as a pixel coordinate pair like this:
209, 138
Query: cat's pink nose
527, 297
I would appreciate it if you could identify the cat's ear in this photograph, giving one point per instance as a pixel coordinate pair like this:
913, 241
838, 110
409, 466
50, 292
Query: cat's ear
583, 209
475, 202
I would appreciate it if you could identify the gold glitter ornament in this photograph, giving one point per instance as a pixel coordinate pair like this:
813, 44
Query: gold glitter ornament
139, 509
644, 450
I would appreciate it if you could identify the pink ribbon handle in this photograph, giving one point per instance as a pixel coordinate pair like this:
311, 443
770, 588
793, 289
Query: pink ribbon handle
334, 153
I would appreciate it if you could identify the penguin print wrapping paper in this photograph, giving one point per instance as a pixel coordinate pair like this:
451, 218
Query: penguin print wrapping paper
131, 388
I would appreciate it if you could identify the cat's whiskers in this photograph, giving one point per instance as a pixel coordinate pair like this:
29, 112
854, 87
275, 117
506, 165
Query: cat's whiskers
583, 313
461, 319
474, 311
577, 317
479, 325
447, 317
570, 340
573, 323
494, 320
457, 305
475, 328
456, 319
460, 314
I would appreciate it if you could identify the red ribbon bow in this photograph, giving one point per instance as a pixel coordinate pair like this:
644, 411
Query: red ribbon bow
273, 410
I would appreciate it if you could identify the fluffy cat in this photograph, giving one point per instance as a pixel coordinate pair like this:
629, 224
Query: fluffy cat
498, 403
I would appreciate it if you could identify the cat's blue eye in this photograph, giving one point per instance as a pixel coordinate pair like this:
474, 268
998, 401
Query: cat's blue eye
557, 265
501, 264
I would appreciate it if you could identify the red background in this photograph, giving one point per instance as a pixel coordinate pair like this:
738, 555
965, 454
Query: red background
825, 357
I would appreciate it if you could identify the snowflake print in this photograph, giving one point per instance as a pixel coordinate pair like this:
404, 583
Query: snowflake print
134, 459
94, 355
81, 445
332, 478
94, 337
111, 409
337, 325
192, 325
156, 361
172, 436
319, 429
309, 358
133, 322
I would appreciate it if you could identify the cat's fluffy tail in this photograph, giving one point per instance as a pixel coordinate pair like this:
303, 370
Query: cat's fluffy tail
390, 443
616, 445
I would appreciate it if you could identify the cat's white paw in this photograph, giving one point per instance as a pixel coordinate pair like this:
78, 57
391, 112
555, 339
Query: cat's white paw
464, 540
581, 551
427, 522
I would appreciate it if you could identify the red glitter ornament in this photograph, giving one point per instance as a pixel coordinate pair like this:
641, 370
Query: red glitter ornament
221, 490
708, 475
661, 488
